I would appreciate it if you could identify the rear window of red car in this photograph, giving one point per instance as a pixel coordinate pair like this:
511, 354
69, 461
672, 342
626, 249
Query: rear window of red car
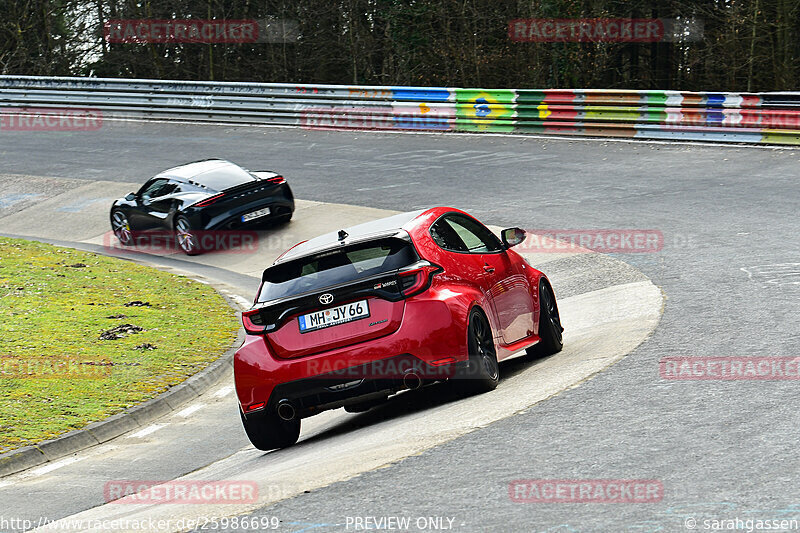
335, 267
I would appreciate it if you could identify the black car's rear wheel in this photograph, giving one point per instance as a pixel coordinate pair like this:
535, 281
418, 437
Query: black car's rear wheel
267, 431
121, 227
282, 219
186, 238
483, 372
549, 324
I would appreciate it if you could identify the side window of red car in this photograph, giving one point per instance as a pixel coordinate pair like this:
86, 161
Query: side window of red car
444, 235
476, 237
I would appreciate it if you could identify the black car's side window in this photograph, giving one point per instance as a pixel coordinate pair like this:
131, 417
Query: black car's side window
153, 189
168, 188
444, 235
474, 237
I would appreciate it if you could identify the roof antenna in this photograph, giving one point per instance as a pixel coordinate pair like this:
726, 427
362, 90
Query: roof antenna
342, 234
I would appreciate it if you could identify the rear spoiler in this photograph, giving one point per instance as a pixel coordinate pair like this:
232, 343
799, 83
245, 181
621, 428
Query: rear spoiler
333, 243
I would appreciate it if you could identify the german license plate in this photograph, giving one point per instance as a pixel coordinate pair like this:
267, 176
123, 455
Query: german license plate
256, 214
333, 316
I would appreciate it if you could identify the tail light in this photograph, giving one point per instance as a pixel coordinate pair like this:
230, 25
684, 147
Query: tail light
208, 201
277, 180
418, 278
252, 322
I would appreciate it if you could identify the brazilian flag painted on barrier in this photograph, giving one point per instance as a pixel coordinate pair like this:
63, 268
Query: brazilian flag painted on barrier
485, 110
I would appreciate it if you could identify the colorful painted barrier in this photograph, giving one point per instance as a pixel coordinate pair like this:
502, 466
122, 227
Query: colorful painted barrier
772, 118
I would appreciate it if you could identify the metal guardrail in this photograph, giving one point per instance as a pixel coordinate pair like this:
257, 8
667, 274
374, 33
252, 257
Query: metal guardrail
772, 118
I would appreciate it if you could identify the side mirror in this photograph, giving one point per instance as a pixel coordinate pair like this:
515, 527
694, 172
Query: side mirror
131, 196
513, 236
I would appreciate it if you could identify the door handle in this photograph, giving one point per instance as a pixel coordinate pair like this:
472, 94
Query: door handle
488, 268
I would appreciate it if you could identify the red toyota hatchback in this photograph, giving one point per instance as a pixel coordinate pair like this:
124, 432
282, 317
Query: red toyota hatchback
349, 318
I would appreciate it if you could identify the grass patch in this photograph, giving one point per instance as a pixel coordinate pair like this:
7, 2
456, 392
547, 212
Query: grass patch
57, 373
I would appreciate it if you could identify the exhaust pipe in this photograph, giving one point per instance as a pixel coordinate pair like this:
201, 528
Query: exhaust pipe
286, 410
412, 381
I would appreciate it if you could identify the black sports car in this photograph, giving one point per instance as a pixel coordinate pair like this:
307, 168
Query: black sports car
193, 199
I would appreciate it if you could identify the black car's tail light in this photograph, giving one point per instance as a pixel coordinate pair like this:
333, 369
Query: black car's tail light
209, 201
252, 322
277, 180
417, 279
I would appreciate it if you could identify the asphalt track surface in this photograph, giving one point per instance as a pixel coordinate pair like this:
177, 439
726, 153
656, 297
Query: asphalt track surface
730, 269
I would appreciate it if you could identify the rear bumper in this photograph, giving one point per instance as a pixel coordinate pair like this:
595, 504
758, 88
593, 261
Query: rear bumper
356, 384
429, 342
280, 202
279, 209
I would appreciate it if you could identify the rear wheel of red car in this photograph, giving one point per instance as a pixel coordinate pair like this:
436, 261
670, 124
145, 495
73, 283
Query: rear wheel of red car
268, 432
549, 324
483, 372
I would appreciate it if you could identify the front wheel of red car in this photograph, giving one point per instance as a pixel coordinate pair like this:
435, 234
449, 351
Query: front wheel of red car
549, 325
483, 372
267, 431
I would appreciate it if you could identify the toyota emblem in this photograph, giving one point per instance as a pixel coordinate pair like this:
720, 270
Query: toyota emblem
326, 298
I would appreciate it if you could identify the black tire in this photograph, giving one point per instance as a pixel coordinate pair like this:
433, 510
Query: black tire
281, 220
121, 227
483, 372
268, 432
363, 407
185, 237
549, 324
